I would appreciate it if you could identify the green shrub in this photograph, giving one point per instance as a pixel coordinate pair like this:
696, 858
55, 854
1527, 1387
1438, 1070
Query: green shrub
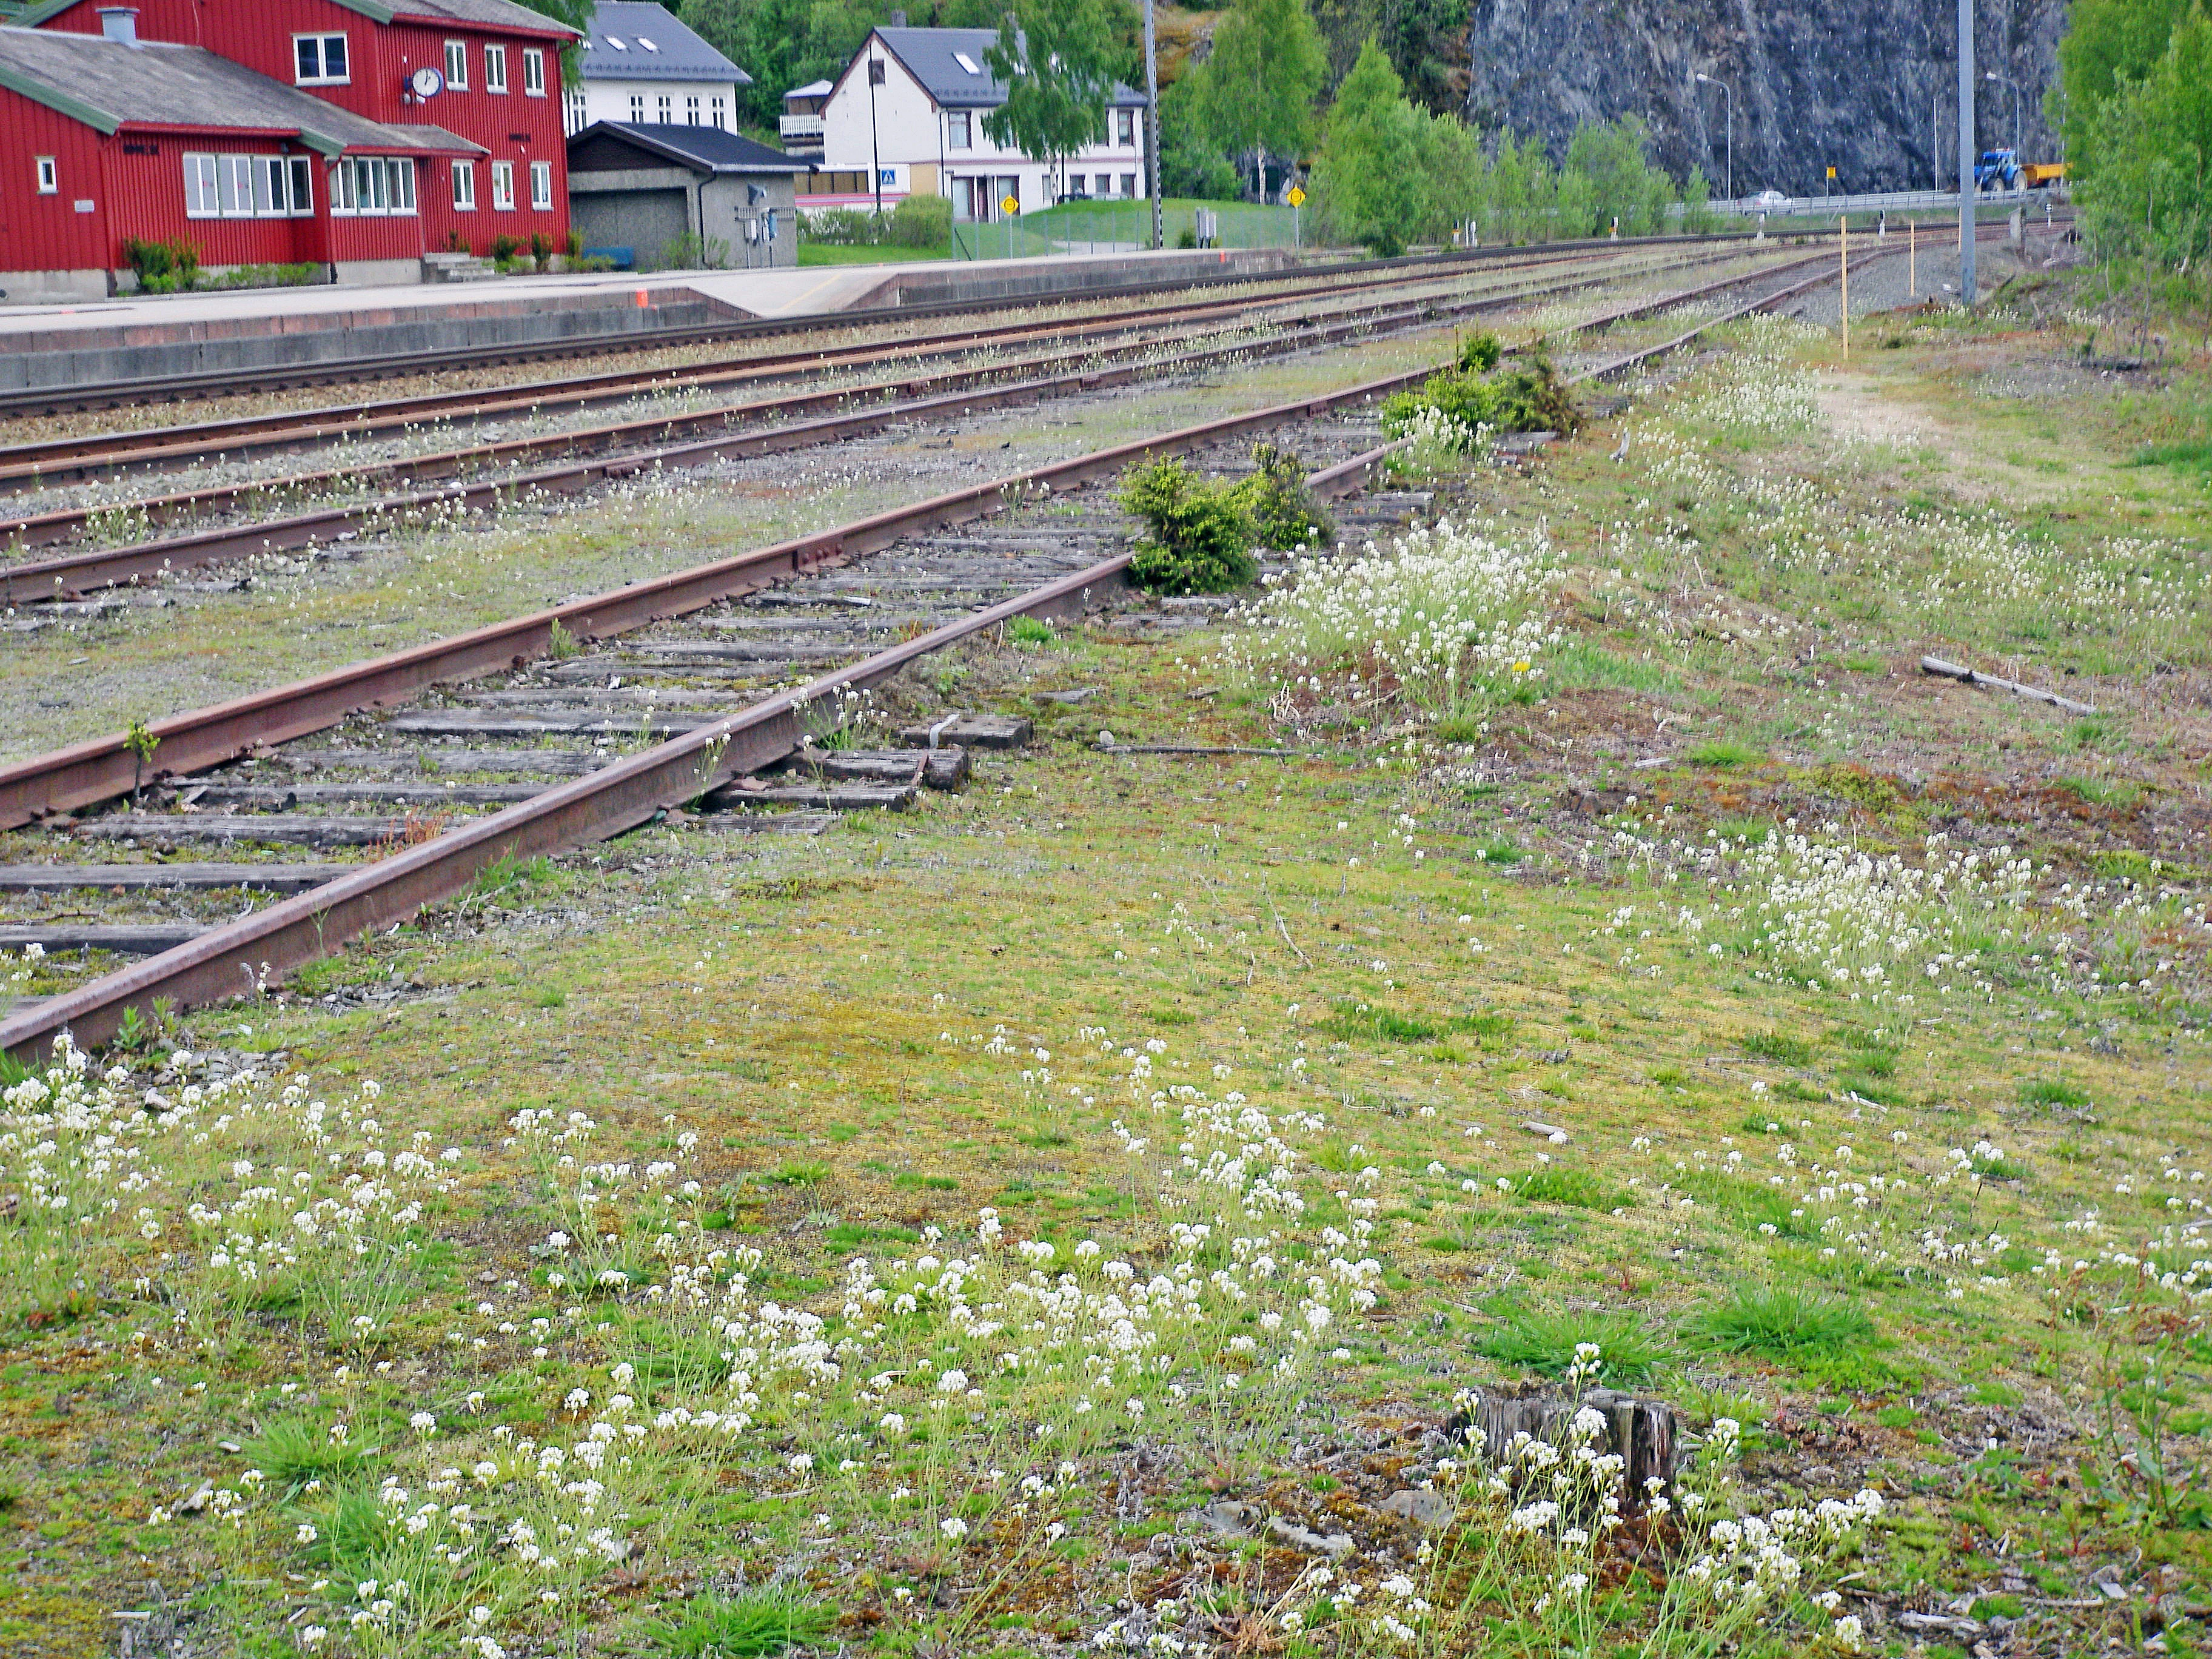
2052, 1091
1726, 753
1783, 1324
844, 227
1546, 1343
1529, 397
1286, 512
920, 221
1782, 1049
751, 1624
1479, 353
541, 249
164, 267
1372, 1024
1200, 534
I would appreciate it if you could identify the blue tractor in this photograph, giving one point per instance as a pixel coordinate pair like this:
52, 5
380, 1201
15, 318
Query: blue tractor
1998, 169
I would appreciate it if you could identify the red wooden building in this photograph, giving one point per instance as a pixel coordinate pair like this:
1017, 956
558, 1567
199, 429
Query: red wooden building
356, 135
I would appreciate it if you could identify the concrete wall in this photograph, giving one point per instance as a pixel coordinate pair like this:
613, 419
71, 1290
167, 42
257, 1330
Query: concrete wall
30, 287
472, 321
726, 202
645, 209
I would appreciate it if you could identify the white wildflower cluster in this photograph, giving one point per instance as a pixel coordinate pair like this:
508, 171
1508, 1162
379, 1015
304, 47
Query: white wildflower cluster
1440, 616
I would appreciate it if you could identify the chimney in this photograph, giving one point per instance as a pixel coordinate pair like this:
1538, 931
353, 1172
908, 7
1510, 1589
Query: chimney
120, 23
898, 20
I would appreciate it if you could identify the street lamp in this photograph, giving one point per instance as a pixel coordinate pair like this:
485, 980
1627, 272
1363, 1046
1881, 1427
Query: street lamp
2006, 80
1728, 92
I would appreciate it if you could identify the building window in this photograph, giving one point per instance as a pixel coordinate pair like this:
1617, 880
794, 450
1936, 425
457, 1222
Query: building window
319, 60
666, 102
248, 187
691, 112
574, 100
502, 186
1128, 184
372, 185
48, 182
494, 69
457, 65
721, 112
465, 187
637, 107
533, 72
541, 186
1125, 126
956, 130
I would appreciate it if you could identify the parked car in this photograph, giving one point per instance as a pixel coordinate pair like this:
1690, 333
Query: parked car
1769, 201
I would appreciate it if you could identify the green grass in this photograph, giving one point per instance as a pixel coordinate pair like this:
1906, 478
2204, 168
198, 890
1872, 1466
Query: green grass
1779, 1047
293, 1453
746, 1626
1783, 1324
1749, 1202
834, 253
1028, 630
801, 1174
1377, 1025
1555, 1183
2194, 455
2099, 791
1726, 754
1546, 1343
2052, 1091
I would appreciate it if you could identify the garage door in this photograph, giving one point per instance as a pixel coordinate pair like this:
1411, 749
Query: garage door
643, 221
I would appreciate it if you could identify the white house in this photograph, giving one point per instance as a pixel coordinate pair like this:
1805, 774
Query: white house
909, 111
642, 67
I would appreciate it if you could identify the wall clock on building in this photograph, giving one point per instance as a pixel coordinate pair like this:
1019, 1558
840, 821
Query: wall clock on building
426, 83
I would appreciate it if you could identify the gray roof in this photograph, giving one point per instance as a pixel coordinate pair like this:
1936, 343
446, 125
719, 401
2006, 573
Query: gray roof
705, 148
106, 84
676, 54
932, 58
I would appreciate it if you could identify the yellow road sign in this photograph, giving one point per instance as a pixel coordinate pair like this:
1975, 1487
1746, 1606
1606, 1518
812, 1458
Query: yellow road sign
1297, 197
1010, 205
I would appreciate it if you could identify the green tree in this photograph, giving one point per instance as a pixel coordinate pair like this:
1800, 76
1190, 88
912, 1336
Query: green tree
1060, 60
1368, 174
1191, 163
1523, 192
1699, 218
2147, 182
2105, 41
577, 15
1255, 94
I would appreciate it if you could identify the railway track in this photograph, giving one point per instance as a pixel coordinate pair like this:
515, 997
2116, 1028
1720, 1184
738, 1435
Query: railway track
508, 742
500, 469
48, 462
64, 399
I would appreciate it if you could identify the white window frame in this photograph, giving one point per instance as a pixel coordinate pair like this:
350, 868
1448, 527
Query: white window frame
502, 186
1125, 126
665, 102
387, 183
49, 176
457, 66
533, 72
691, 109
541, 186
200, 201
495, 56
465, 187
721, 113
322, 76
637, 109
959, 130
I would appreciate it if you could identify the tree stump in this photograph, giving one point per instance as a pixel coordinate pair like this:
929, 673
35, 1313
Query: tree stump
1640, 1432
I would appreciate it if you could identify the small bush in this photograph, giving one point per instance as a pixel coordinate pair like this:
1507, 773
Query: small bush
846, 227
1725, 753
1546, 1343
746, 1626
1028, 630
1783, 1324
541, 249
1556, 1184
2051, 1091
504, 248
1382, 1024
1286, 512
1479, 353
801, 1174
293, 1453
1201, 534
1782, 1049
920, 221
164, 267
1528, 398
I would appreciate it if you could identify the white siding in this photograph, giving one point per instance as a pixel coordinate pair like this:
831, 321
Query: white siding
607, 100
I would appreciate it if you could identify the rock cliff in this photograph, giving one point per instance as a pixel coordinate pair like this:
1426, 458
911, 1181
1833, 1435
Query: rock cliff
1864, 86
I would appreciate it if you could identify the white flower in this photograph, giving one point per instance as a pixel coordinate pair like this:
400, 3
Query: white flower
953, 1527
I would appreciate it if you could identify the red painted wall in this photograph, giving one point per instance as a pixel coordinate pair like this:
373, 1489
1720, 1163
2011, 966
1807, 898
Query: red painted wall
512, 126
47, 233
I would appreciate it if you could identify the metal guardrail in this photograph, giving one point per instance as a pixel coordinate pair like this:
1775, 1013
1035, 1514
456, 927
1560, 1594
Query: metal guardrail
1889, 201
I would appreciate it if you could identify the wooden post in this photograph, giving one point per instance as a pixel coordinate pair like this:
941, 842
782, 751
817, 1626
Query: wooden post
1844, 253
1912, 260
1641, 1433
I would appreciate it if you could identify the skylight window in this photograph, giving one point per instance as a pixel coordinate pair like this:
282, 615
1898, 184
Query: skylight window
646, 43
966, 62
617, 43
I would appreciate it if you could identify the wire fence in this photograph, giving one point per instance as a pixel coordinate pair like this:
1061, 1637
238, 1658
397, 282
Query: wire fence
1125, 226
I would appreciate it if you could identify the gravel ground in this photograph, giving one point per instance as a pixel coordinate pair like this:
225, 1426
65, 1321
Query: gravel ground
1893, 280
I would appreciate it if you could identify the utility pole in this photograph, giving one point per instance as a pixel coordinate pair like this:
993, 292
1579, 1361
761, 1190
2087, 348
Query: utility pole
2007, 80
875, 153
1153, 128
1728, 94
1967, 152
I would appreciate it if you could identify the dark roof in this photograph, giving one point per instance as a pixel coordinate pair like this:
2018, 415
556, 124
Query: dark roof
932, 58
675, 54
106, 84
706, 150
480, 14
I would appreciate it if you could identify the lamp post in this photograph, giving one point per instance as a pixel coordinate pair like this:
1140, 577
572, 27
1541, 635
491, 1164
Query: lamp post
1152, 129
875, 150
1967, 152
1728, 94
2006, 80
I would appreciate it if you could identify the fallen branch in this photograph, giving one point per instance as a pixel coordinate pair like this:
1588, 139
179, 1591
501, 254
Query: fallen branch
1952, 671
1192, 749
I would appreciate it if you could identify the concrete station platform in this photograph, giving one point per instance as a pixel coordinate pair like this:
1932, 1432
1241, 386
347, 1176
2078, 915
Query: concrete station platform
121, 341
